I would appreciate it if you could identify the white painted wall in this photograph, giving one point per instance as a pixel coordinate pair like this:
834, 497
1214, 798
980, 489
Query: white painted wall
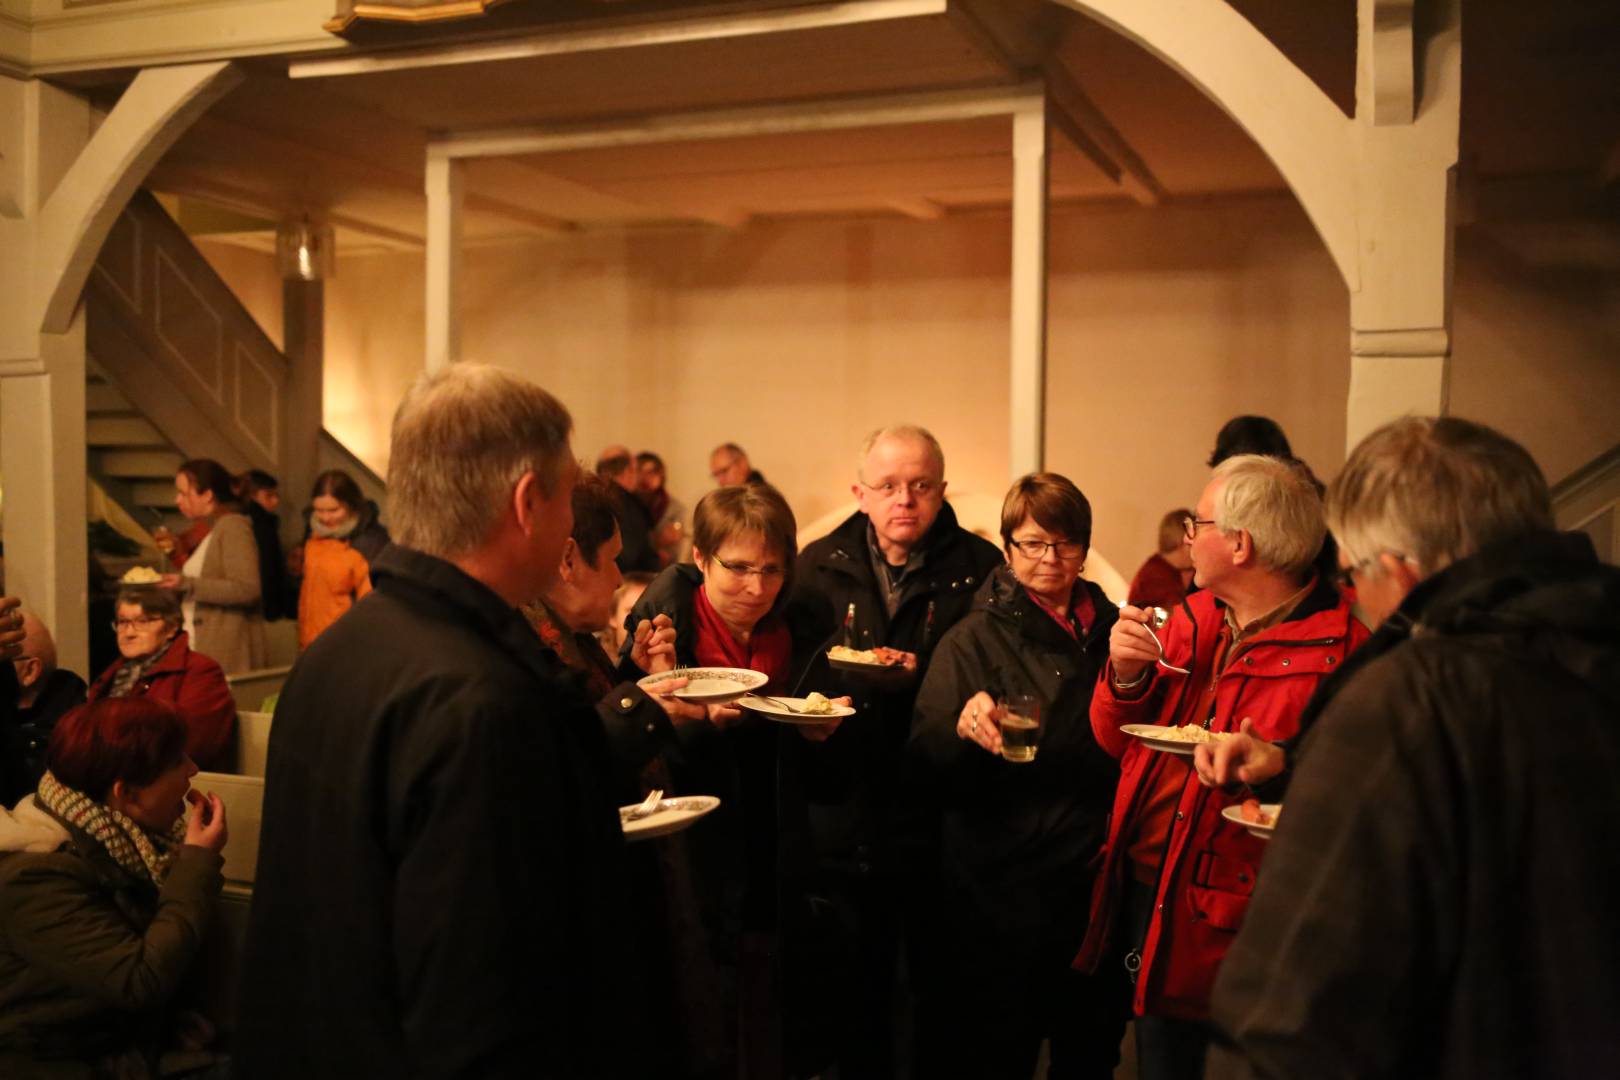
794, 339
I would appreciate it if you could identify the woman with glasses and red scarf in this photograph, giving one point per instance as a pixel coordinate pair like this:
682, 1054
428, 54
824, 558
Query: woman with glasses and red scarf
729, 609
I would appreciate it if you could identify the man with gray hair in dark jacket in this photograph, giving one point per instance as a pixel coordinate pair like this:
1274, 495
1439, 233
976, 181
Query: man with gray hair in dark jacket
1439, 899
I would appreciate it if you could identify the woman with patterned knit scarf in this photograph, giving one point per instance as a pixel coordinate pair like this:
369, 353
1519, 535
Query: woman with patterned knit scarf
158, 662
106, 887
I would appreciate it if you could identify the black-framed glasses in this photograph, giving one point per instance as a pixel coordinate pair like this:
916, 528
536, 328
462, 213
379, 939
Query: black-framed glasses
890, 489
717, 474
131, 624
1036, 549
764, 573
1189, 526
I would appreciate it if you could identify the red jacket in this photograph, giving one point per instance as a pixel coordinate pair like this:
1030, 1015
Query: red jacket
195, 687
1209, 864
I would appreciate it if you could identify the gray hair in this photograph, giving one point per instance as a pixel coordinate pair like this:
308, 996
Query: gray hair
1277, 503
462, 439
1435, 490
901, 432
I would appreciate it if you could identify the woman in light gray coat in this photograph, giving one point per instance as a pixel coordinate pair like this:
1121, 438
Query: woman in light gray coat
219, 585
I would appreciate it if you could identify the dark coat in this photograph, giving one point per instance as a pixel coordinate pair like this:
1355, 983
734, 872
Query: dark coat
855, 832
635, 531
440, 887
91, 957
195, 687
1018, 840
25, 734
1439, 898
278, 600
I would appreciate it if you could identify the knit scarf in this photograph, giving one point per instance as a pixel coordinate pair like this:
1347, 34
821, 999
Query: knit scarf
141, 853
340, 531
768, 649
131, 672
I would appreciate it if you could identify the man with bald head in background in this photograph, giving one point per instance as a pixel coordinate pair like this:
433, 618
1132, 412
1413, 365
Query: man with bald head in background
908, 571
45, 693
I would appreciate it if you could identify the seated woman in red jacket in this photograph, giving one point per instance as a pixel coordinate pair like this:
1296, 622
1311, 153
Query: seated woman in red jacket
157, 662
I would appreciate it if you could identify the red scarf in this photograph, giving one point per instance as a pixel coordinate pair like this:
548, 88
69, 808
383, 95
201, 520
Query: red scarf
769, 648
1082, 612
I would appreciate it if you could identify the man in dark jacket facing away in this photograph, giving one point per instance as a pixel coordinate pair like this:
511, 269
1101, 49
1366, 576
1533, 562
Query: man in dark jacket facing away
439, 875
1439, 899
908, 571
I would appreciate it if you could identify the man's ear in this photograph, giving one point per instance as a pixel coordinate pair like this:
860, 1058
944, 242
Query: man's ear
526, 500
1242, 547
29, 670
1405, 572
571, 561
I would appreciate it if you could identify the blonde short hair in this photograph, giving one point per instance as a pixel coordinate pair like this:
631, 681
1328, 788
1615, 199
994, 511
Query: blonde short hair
1435, 489
1277, 503
1173, 530
904, 433
462, 439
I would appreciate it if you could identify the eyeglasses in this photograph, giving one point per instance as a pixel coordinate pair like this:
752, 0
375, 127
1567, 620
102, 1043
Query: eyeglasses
1189, 526
890, 489
131, 624
764, 573
717, 474
1037, 549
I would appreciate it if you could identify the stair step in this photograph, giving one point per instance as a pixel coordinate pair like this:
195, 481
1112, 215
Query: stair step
138, 464
104, 397
152, 493
122, 431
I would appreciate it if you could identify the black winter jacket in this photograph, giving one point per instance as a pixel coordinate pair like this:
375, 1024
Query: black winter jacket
1439, 898
440, 879
857, 831
1018, 840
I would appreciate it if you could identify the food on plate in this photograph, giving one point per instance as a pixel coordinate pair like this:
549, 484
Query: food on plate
1252, 811
858, 656
817, 703
141, 575
1190, 733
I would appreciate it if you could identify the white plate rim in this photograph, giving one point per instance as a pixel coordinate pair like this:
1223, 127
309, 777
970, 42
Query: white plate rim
1159, 743
665, 820
753, 704
746, 679
1234, 814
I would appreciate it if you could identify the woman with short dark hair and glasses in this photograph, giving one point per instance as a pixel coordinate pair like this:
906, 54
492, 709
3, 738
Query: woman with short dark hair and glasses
1019, 832
157, 662
729, 609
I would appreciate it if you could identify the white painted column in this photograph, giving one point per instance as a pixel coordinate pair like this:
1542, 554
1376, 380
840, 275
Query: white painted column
1027, 397
1406, 135
445, 195
42, 456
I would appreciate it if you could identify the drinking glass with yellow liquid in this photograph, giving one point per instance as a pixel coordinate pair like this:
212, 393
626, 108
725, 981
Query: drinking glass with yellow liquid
1020, 726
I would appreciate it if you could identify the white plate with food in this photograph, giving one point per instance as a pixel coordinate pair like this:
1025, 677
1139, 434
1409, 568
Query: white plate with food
708, 686
845, 658
814, 709
1181, 740
1262, 824
673, 814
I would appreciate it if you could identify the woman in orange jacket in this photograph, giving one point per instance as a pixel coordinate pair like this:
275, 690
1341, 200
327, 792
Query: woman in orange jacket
336, 574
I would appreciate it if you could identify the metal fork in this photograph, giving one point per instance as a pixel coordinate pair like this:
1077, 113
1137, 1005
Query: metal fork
1157, 617
648, 806
780, 704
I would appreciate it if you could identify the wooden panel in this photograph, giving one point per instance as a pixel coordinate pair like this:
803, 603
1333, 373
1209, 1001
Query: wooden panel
814, 63
188, 325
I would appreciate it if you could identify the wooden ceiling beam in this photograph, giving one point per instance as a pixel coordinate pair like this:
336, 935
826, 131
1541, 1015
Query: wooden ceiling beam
331, 162
1079, 118
635, 35
918, 209
182, 181
961, 103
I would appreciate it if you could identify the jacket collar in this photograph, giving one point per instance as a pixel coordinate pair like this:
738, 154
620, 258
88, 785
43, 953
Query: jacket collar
414, 574
851, 538
1002, 597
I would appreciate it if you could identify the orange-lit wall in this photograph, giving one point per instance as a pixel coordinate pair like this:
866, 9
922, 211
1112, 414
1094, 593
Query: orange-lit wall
795, 339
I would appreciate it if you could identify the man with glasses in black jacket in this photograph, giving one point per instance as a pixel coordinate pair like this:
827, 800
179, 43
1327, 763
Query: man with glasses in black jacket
892, 578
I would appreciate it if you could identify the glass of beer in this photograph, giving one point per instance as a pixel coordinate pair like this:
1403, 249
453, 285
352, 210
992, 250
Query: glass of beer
1020, 726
